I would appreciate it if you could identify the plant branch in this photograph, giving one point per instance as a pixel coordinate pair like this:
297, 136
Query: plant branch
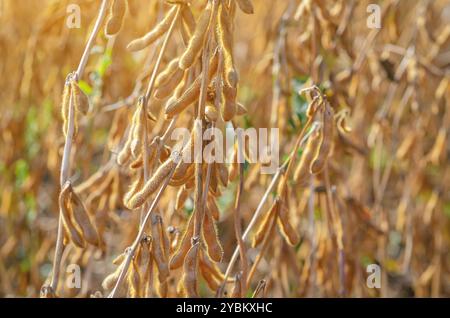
65, 165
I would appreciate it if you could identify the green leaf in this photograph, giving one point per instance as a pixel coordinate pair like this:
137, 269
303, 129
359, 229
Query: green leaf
366, 260
32, 132
189, 207
105, 63
380, 156
85, 87
299, 102
291, 123
247, 122
22, 171
447, 209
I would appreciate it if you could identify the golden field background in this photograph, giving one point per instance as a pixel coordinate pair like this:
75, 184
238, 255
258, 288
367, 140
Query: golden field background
390, 174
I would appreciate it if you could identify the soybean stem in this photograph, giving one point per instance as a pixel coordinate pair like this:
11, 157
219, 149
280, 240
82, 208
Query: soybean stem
65, 164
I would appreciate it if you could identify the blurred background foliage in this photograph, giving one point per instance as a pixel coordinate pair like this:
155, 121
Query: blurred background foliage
37, 51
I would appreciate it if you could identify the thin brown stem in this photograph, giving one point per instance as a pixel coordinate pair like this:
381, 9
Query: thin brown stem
65, 165
92, 37
237, 227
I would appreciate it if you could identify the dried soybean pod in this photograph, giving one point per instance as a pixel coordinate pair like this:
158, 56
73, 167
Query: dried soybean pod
222, 172
162, 289
176, 105
97, 294
158, 250
225, 39
209, 270
246, 6
80, 100
47, 292
284, 225
188, 19
165, 241
110, 280
182, 196
438, 149
144, 259
125, 153
240, 109
212, 282
135, 186
212, 267
233, 171
228, 107
174, 236
184, 169
82, 219
138, 129
167, 89
326, 141
136, 163
238, 288
212, 207
65, 104
184, 32
152, 185
119, 259
102, 188
260, 289
402, 150
72, 232
190, 269
211, 114
165, 75
234, 166
133, 280
214, 184
115, 19
180, 286
197, 40
312, 107
155, 102
149, 280
265, 225
93, 180
115, 192
155, 33
64, 204
214, 248
184, 245
183, 180
302, 173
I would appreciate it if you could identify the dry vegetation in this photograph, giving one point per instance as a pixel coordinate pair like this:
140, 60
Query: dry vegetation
89, 175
